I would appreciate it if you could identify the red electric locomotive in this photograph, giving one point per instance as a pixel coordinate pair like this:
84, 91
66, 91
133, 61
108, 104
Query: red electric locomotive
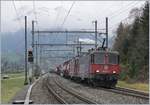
104, 68
100, 67
59, 70
66, 69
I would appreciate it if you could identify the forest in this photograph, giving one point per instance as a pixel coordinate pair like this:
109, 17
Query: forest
132, 42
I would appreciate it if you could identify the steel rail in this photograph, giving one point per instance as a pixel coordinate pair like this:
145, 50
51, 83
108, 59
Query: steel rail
128, 92
74, 93
51, 90
133, 92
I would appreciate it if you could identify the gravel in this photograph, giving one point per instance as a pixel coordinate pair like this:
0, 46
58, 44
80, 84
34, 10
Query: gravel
70, 99
102, 96
41, 95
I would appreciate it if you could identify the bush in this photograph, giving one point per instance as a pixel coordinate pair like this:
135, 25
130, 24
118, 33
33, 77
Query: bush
124, 72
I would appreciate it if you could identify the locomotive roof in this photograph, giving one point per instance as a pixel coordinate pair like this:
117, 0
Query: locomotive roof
87, 53
112, 52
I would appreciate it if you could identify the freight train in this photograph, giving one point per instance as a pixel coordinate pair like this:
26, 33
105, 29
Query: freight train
96, 67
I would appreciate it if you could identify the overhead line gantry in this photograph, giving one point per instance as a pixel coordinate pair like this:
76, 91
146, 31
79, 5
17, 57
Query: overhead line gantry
78, 31
82, 32
63, 44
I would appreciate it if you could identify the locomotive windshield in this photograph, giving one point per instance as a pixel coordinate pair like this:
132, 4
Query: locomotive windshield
113, 58
100, 58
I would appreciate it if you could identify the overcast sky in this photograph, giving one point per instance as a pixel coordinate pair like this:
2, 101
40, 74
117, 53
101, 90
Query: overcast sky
51, 14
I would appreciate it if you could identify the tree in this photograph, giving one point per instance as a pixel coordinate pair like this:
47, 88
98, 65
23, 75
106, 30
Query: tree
132, 42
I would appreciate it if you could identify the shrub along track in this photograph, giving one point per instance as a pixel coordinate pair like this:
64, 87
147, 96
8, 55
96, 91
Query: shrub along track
64, 94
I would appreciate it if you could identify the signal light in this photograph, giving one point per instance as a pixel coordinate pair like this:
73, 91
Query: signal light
30, 56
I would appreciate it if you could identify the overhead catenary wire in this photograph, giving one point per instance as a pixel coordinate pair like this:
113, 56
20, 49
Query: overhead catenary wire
118, 22
58, 15
18, 18
107, 9
118, 10
97, 38
35, 13
67, 14
122, 19
34, 10
123, 11
64, 18
21, 42
36, 19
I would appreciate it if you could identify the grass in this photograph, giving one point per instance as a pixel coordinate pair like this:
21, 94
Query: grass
16, 75
138, 86
9, 87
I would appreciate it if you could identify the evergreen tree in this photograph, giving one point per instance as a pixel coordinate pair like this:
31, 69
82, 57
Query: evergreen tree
132, 42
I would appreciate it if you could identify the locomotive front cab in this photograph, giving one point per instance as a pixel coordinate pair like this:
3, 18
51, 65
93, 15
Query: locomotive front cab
105, 67
105, 63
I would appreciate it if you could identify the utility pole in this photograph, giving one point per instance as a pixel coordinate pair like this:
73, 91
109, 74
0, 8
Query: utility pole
66, 37
36, 55
40, 54
96, 34
26, 67
33, 36
38, 47
33, 45
80, 48
106, 32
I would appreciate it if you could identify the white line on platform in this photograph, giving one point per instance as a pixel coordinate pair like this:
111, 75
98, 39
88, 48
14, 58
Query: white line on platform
27, 99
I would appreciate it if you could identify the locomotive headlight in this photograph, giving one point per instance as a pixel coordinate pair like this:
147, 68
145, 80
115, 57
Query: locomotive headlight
114, 71
97, 71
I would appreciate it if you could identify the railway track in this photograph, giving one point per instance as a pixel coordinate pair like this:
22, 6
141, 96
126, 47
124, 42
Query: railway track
127, 91
53, 92
130, 92
72, 95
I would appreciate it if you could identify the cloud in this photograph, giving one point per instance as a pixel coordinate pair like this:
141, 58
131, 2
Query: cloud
79, 19
86, 40
60, 8
23, 8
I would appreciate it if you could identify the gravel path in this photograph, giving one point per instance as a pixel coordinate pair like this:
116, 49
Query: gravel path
40, 94
102, 96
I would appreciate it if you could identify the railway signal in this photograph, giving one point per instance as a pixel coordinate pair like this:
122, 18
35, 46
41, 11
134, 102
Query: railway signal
30, 56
